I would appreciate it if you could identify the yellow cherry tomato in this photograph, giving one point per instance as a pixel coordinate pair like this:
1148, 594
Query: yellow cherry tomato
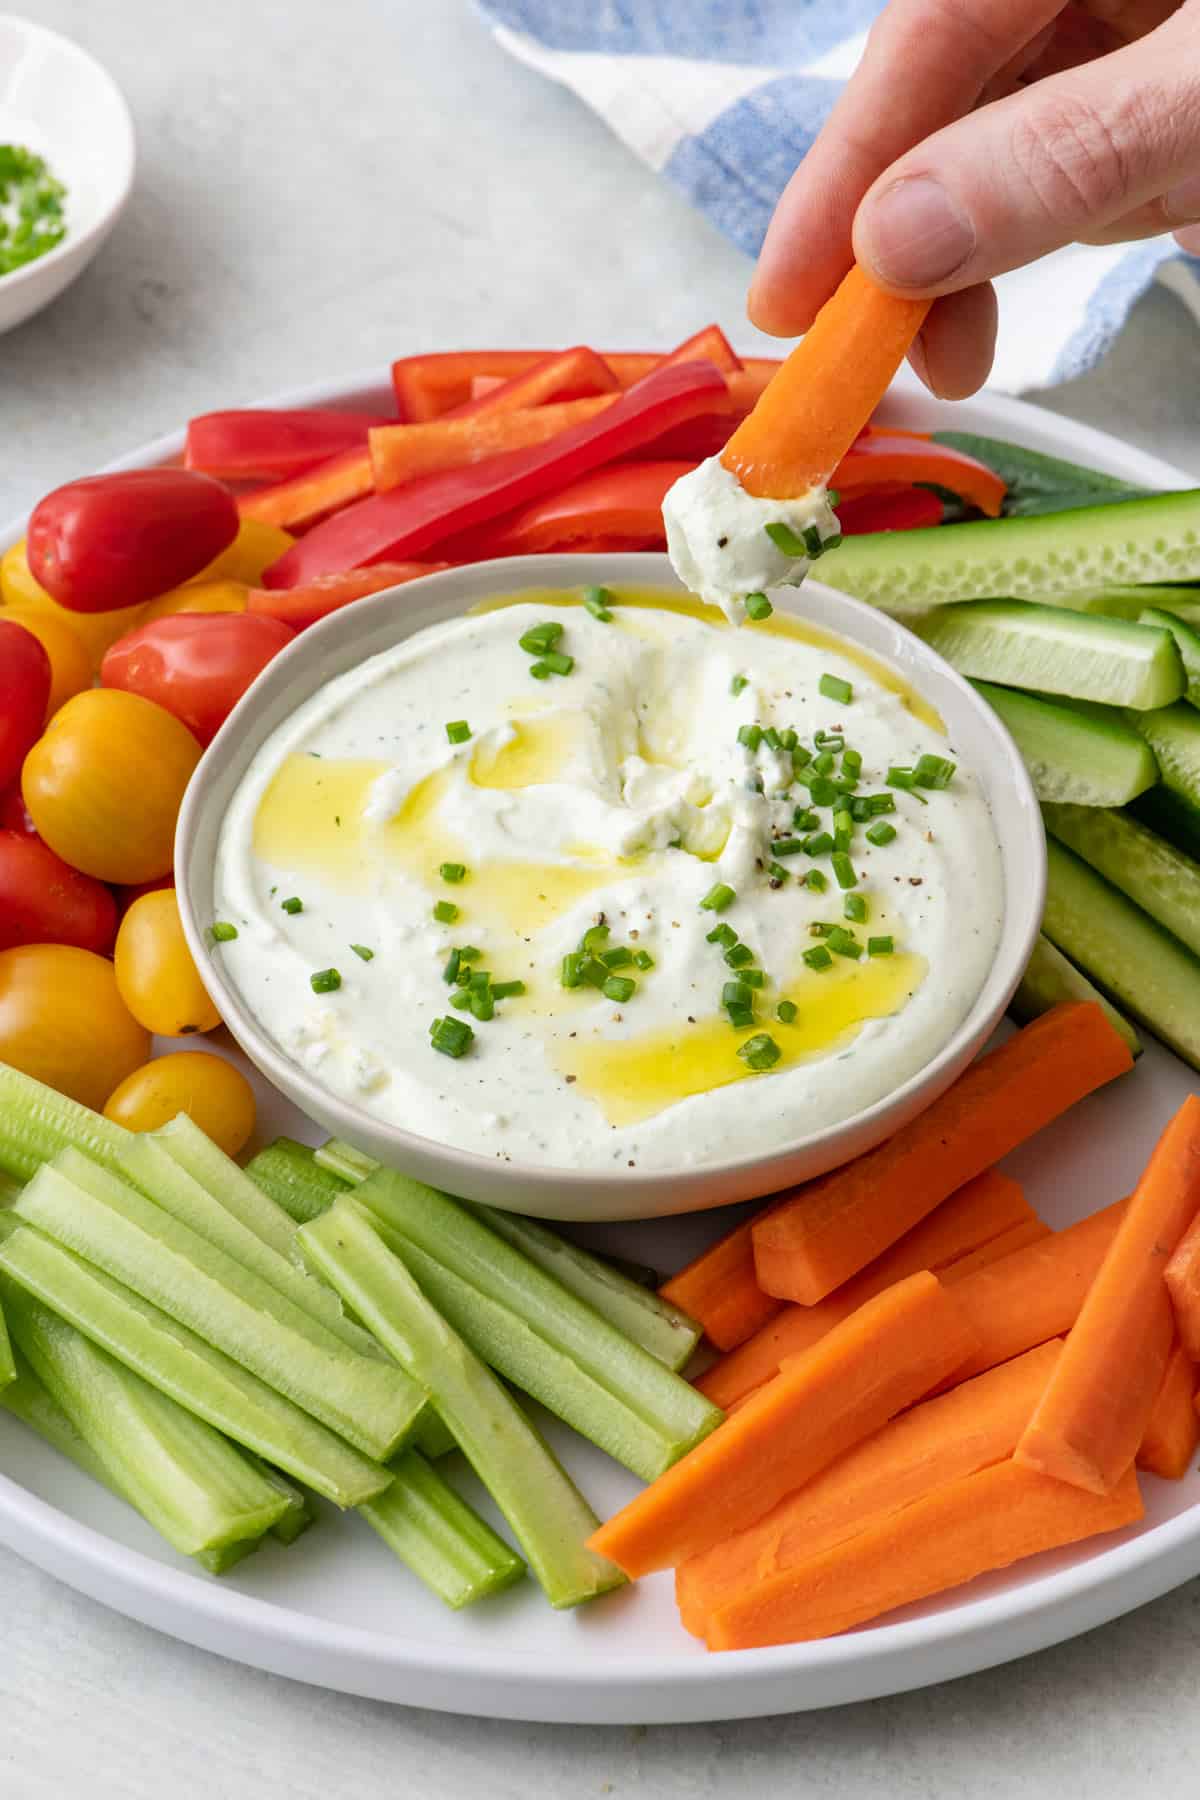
70, 664
156, 976
63, 1021
95, 631
198, 596
254, 549
214, 1095
104, 782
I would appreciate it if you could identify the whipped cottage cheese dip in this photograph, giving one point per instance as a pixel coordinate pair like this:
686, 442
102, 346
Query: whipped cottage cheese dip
618, 794
718, 538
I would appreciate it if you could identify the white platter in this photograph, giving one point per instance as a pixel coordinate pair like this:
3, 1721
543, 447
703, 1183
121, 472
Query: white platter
336, 1610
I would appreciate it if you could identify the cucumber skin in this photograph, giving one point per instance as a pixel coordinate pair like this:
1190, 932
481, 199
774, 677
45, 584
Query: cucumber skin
1054, 651
1051, 978
1104, 762
1132, 541
1145, 970
1173, 733
1187, 642
1148, 870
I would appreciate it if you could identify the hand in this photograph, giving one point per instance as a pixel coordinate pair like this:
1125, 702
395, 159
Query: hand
975, 136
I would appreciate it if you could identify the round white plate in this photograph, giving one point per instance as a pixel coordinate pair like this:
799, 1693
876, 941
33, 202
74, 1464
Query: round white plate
338, 1611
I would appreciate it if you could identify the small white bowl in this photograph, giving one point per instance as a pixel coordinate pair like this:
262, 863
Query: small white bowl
57, 100
347, 638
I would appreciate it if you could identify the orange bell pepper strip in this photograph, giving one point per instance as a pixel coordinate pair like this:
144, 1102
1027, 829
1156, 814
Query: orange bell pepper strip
400, 453
315, 492
575, 374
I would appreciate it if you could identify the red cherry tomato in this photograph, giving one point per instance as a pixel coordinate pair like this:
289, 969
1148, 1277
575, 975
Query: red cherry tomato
115, 540
14, 814
43, 900
24, 690
196, 665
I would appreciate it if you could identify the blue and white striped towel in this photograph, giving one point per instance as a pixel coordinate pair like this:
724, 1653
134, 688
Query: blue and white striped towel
724, 97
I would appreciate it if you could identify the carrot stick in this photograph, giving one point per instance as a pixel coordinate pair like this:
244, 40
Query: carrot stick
1168, 1445
939, 1441
402, 452
316, 491
1034, 1294
1183, 1285
837, 1224
983, 1521
826, 390
719, 1288
1095, 1411
820, 1404
979, 1214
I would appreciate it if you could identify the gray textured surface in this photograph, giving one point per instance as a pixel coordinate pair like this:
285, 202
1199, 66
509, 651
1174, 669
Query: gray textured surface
320, 188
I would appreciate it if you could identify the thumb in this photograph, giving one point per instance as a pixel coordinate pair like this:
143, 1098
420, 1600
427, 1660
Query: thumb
1059, 161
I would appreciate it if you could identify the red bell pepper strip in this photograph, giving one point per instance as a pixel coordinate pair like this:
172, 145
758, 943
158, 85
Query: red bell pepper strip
400, 524
575, 374
621, 500
885, 459
402, 452
888, 509
262, 445
320, 489
303, 606
708, 345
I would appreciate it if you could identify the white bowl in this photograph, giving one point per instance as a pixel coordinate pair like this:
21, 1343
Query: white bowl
58, 101
347, 638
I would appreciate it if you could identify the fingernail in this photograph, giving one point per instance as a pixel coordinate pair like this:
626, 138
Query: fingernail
1182, 203
915, 234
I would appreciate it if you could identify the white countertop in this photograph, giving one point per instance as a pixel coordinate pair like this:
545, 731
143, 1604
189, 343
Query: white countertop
321, 188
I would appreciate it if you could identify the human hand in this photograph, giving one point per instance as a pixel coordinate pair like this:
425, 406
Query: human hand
975, 136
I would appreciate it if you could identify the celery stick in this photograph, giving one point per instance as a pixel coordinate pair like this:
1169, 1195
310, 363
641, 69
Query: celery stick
206, 1163
8, 1367
204, 1381
289, 1173
439, 1537
219, 1562
190, 1483
36, 1123
550, 1518
433, 1437
664, 1330
513, 1348
457, 1238
299, 1513
148, 1165
89, 1210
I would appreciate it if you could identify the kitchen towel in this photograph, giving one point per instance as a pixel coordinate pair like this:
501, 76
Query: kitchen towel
723, 97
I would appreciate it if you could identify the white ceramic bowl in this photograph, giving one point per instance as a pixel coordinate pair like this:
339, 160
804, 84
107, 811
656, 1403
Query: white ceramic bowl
57, 100
347, 638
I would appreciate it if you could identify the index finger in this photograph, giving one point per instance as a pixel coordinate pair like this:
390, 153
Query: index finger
926, 64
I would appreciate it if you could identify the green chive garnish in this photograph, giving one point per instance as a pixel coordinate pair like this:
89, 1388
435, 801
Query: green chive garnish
822, 791
820, 844
804, 819
363, 953
223, 932
540, 671
790, 846
718, 898
880, 946
619, 957
558, 662
881, 832
843, 870
722, 934
571, 970
843, 943
816, 881
461, 997
737, 993
905, 779
770, 738
643, 959
598, 601
777, 872
453, 964
834, 688
760, 1051
818, 957
507, 990
800, 758
540, 638
453, 872
594, 972
738, 685
293, 905
619, 988
785, 539
823, 763
758, 606
453, 1037
879, 803
750, 735
753, 978
325, 981
786, 1012
788, 739
445, 912
934, 771
738, 955
854, 907
852, 763
458, 731
468, 953
483, 1004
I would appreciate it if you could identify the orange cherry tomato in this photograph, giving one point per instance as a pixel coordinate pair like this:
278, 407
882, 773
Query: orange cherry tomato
95, 631
70, 663
104, 783
214, 1095
156, 976
63, 1021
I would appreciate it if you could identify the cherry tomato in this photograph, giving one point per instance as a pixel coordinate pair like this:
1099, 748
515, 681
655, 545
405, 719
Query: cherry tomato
117, 540
104, 784
63, 1021
70, 664
24, 691
256, 546
95, 631
197, 597
214, 1095
14, 814
157, 978
44, 901
198, 666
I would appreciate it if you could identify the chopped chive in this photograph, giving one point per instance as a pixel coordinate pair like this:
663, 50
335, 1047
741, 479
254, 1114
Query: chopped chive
619, 957
879, 803
829, 740
831, 543
453, 964
852, 763
598, 601
789, 846
571, 970
594, 972
880, 832
753, 978
750, 735
819, 844
718, 897
860, 812
906, 781
844, 943
507, 990
445, 912
619, 988
834, 688
821, 928
934, 771
842, 820
540, 638
758, 606
479, 980
540, 671
738, 683
776, 871
822, 791
823, 763
818, 957
843, 870
363, 953
816, 881
483, 1004
770, 738
558, 662
593, 938
785, 539
788, 739
786, 1012
814, 544
222, 932
325, 981
643, 959
854, 907
292, 905
737, 993
880, 946
453, 1037
458, 731
722, 934
469, 953
804, 819
461, 997
738, 955
740, 1016
453, 872
760, 1051
800, 758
